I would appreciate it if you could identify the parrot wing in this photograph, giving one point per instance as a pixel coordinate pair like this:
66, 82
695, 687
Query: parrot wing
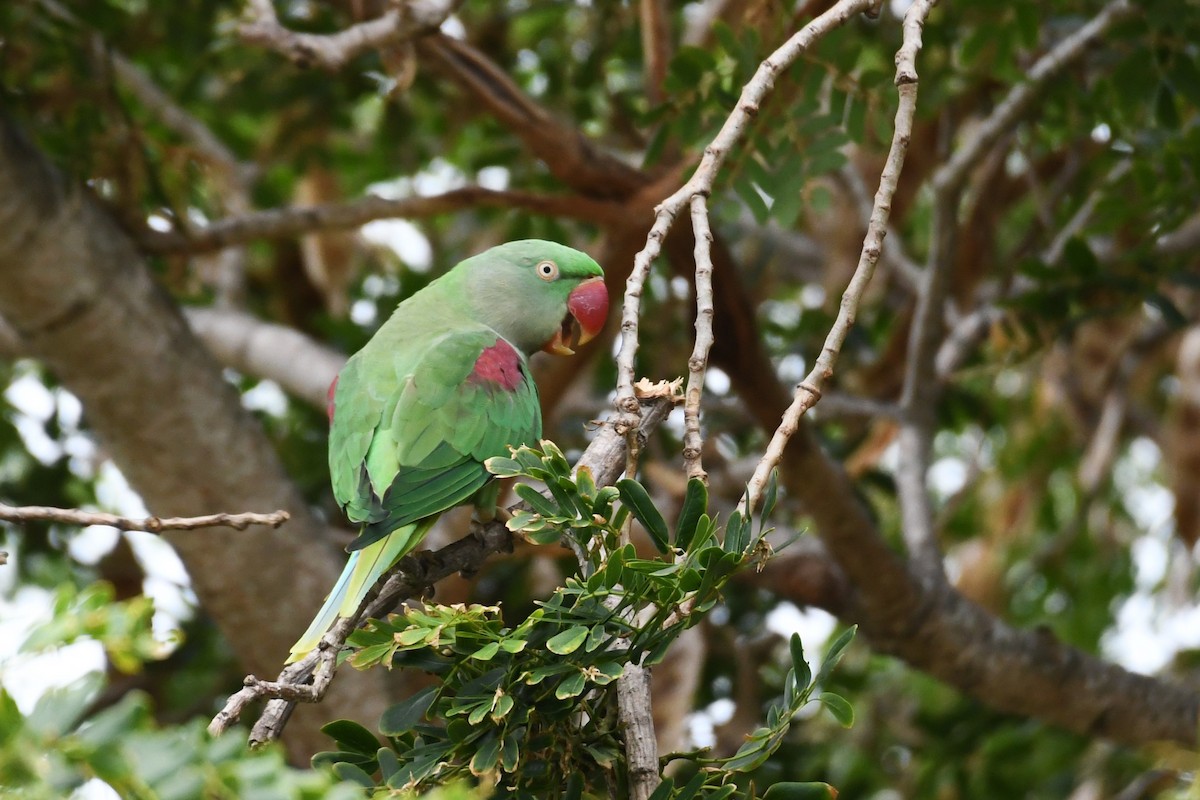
430, 424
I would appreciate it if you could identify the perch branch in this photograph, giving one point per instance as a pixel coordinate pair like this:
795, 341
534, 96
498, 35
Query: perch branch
75, 516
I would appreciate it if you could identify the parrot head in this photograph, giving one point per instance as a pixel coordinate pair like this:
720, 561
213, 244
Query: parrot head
539, 295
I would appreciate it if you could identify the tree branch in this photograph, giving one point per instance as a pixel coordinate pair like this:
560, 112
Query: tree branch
299, 220
76, 516
921, 387
808, 392
701, 182
332, 51
693, 442
75, 290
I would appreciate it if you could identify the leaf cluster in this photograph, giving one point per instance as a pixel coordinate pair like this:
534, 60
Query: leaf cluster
530, 708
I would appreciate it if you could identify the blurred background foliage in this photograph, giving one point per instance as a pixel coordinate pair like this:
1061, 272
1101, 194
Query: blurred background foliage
1050, 515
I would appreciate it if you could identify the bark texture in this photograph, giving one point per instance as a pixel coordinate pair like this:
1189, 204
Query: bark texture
81, 299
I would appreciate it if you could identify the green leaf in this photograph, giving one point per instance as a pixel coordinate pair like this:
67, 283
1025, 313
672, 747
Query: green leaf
695, 503
537, 500
568, 641
389, 765
503, 467
487, 652
403, 716
664, 790
504, 704
799, 663
351, 736
571, 686
487, 756
772, 494
835, 653
736, 533
841, 709
635, 498
351, 772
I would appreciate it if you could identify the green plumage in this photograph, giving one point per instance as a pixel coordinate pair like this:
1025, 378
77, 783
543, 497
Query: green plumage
441, 387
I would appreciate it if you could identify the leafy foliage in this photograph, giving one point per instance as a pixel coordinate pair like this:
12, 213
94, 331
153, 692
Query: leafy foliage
527, 706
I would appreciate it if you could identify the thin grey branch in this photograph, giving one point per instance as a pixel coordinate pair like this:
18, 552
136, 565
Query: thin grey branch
76, 516
332, 51
290, 221
808, 392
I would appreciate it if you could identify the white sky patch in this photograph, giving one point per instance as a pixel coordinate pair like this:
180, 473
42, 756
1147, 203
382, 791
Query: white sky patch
404, 239
785, 315
814, 626
717, 381
267, 397
27, 676
157, 222
792, 368
363, 313
453, 27
812, 295
674, 422
95, 789
947, 475
1102, 133
495, 178
680, 288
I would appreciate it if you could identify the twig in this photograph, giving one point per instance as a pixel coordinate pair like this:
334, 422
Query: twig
309, 679
808, 392
698, 363
298, 220
75, 516
332, 51
701, 183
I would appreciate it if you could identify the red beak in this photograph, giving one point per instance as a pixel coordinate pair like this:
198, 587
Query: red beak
587, 310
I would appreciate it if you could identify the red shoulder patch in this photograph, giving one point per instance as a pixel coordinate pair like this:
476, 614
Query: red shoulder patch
329, 402
499, 365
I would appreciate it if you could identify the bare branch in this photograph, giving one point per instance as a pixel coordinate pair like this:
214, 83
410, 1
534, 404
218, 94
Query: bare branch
701, 182
76, 516
302, 366
808, 392
698, 363
299, 220
332, 51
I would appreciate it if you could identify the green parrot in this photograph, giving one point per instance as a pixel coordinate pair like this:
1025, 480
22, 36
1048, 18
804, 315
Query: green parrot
443, 386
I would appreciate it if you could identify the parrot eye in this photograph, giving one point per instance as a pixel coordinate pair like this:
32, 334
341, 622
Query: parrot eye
547, 270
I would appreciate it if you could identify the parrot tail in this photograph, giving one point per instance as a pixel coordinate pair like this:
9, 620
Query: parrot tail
363, 569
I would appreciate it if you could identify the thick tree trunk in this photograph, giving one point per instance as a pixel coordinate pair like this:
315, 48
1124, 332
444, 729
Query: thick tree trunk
78, 294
